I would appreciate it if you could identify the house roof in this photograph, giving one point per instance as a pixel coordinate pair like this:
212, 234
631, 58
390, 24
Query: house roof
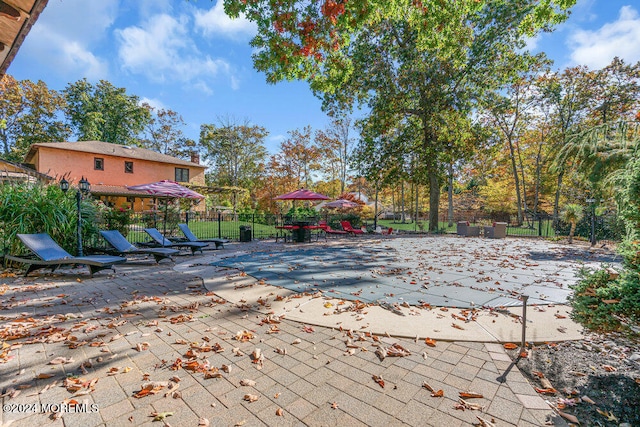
15, 171
108, 149
16, 19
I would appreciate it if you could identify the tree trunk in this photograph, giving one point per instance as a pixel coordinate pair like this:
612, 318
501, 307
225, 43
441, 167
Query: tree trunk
572, 230
434, 199
402, 200
516, 179
556, 203
450, 196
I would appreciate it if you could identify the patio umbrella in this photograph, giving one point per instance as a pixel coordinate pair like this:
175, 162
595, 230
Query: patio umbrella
341, 203
301, 194
167, 190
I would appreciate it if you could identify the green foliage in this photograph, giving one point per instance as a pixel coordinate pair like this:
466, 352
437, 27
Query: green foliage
105, 113
29, 114
589, 293
115, 218
302, 212
36, 208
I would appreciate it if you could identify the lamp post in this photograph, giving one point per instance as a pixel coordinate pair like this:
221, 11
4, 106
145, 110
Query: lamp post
83, 188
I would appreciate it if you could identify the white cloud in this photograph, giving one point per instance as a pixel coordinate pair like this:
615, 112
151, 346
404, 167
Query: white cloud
162, 50
65, 34
620, 38
215, 21
153, 102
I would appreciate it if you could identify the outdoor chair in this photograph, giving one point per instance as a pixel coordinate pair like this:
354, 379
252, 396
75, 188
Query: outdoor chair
464, 229
121, 246
48, 254
346, 226
330, 231
192, 237
159, 239
497, 231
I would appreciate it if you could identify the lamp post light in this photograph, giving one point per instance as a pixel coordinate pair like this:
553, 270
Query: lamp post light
83, 189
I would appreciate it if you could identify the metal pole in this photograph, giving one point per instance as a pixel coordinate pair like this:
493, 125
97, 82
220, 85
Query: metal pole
79, 230
375, 212
219, 225
524, 323
593, 223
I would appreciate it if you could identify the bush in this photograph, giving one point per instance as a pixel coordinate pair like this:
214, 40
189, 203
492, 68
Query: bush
39, 208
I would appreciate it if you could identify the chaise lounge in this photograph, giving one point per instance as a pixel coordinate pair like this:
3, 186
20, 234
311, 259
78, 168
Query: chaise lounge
48, 254
121, 246
192, 237
162, 241
346, 226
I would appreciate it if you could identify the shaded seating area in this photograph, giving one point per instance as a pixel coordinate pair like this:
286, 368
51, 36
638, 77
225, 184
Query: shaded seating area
121, 246
346, 226
464, 229
219, 243
48, 254
162, 241
497, 231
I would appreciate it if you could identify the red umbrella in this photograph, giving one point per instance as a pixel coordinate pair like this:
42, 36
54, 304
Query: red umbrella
341, 203
301, 194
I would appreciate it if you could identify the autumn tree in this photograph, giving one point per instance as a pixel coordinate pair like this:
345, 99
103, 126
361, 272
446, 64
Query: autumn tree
29, 112
164, 134
335, 145
398, 59
299, 158
236, 151
105, 113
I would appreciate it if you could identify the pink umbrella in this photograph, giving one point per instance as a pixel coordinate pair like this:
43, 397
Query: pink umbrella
167, 190
301, 194
341, 203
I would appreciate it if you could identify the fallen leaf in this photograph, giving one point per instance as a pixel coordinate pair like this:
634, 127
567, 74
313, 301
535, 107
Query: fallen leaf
247, 383
608, 414
469, 395
439, 393
510, 346
250, 397
279, 412
609, 368
569, 417
203, 422
334, 405
430, 342
60, 361
160, 416
379, 380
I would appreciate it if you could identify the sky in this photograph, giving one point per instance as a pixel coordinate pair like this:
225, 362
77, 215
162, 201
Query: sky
189, 57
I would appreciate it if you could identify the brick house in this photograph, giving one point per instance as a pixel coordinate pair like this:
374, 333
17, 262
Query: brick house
111, 167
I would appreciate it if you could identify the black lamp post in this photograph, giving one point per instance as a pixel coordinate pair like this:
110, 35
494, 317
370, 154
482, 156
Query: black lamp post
83, 188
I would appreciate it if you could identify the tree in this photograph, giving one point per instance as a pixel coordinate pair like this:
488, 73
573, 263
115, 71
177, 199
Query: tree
236, 151
509, 112
409, 63
299, 157
335, 145
29, 112
105, 113
572, 214
165, 134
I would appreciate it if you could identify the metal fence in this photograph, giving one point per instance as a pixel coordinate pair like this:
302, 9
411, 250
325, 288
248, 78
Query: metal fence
263, 226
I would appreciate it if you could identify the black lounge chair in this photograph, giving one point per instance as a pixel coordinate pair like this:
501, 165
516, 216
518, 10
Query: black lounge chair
159, 239
50, 255
121, 246
192, 237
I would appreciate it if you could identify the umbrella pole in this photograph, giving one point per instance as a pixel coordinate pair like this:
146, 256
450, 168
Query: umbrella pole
166, 209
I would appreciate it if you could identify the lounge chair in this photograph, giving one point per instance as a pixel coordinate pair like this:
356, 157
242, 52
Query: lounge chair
121, 246
192, 237
50, 255
328, 230
346, 226
159, 239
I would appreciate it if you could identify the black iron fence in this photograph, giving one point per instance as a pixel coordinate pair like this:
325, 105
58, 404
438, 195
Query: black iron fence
241, 226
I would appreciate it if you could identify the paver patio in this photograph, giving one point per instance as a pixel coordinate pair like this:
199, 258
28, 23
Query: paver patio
145, 317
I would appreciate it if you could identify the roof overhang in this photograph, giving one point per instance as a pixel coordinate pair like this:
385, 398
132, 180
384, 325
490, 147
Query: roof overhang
16, 19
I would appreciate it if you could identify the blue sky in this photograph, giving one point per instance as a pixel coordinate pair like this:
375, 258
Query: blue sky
187, 56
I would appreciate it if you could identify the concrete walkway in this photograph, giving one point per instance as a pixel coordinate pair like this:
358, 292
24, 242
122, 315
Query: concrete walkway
146, 324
